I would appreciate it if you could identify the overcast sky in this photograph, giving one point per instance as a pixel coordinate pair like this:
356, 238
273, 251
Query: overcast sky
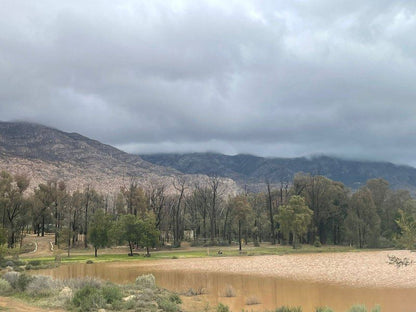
270, 78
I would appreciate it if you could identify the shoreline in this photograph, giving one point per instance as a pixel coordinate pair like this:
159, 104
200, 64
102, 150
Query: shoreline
353, 269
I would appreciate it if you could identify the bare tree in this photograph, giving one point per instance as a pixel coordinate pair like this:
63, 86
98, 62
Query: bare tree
180, 186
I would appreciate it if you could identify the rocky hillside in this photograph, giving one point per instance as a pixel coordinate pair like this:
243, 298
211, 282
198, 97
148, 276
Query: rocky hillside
252, 169
45, 153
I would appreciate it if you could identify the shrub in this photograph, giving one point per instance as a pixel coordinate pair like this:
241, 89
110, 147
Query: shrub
166, 305
5, 287
362, 308
78, 283
112, 293
90, 262
358, 308
147, 294
323, 309
196, 292
222, 308
88, 298
252, 300
23, 281
229, 291
34, 262
12, 278
146, 281
42, 286
289, 309
317, 243
175, 298
10, 263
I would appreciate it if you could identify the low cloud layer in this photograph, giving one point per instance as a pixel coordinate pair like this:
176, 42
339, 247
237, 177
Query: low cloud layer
271, 78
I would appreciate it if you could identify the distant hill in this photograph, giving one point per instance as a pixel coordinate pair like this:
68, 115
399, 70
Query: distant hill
253, 169
44, 153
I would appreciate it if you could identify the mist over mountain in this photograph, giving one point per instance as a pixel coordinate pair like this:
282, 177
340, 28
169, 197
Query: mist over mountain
45, 153
253, 169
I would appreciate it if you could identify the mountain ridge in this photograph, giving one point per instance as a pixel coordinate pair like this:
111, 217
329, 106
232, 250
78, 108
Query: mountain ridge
44, 153
257, 169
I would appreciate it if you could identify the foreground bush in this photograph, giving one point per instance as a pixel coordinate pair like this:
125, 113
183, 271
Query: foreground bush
88, 298
5, 287
146, 281
324, 309
362, 308
288, 309
89, 294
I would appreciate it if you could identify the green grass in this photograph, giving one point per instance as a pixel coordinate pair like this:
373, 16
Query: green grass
83, 255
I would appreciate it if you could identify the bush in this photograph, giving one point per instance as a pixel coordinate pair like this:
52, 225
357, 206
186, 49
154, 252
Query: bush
195, 292
166, 305
323, 309
5, 287
289, 309
112, 293
10, 263
362, 308
78, 283
358, 308
34, 262
42, 286
252, 300
23, 281
90, 262
12, 278
88, 298
146, 281
175, 298
222, 308
229, 291
147, 294
317, 243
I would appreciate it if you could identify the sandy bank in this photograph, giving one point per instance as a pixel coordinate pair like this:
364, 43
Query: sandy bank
359, 269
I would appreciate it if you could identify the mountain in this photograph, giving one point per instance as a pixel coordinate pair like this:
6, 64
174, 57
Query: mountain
44, 153
248, 169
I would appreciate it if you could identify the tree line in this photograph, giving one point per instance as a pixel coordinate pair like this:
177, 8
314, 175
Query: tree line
311, 209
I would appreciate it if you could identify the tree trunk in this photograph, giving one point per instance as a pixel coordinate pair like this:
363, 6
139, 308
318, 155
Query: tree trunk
271, 217
239, 235
43, 225
131, 248
95, 251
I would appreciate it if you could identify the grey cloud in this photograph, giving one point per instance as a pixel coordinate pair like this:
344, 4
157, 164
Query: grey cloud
270, 78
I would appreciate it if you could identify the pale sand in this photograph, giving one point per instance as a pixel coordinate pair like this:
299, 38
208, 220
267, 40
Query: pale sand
358, 269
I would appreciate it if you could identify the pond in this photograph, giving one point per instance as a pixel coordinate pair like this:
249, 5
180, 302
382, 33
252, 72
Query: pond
270, 292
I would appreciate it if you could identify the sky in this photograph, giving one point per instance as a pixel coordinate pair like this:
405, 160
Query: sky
269, 78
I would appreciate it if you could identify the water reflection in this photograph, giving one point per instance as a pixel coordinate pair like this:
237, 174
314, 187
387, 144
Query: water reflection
270, 291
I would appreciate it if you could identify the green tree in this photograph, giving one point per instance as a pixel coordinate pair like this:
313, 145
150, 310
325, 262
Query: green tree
128, 228
99, 230
241, 209
149, 236
294, 218
363, 222
407, 225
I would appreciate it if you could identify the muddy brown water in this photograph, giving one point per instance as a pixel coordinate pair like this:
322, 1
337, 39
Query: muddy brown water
271, 292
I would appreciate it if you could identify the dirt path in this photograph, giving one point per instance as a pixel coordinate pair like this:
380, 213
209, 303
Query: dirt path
15, 305
359, 269
43, 245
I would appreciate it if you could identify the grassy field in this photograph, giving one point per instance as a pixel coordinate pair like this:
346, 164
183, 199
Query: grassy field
121, 254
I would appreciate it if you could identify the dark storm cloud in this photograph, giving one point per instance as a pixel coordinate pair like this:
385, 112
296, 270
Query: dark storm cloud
271, 78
